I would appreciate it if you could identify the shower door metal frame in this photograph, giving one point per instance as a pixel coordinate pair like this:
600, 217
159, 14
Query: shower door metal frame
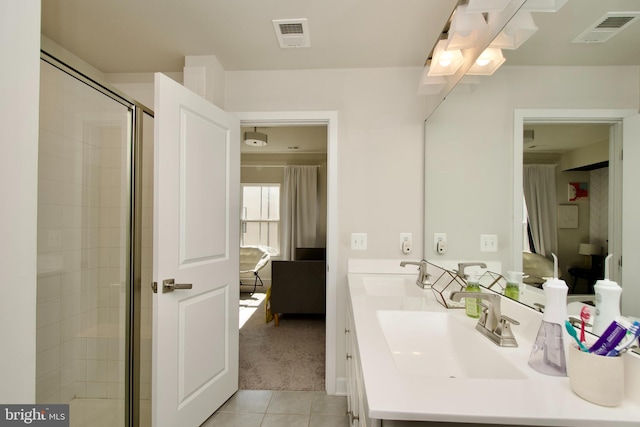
134, 227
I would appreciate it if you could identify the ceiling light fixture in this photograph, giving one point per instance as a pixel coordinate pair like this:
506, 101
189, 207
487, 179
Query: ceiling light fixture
444, 62
483, 6
516, 32
487, 63
465, 29
255, 138
543, 5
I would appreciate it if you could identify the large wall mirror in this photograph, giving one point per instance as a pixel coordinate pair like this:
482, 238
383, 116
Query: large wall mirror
561, 93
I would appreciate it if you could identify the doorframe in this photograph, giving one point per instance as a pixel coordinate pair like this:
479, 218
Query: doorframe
330, 119
613, 117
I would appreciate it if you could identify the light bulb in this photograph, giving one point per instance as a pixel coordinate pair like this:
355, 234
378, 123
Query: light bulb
483, 62
445, 59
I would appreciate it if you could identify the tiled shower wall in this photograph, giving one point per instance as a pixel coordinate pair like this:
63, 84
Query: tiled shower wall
82, 208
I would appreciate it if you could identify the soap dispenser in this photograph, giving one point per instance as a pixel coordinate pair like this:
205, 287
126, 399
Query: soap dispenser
607, 300
471, 304
514, 280
548, 355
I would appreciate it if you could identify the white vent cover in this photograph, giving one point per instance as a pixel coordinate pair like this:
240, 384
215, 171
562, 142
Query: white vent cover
292, 32
607, 26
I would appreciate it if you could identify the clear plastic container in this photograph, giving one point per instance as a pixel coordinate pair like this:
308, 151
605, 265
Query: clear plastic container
548, 354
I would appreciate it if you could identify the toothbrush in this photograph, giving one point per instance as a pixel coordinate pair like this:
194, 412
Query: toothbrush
585, 315
634, 331
572, 331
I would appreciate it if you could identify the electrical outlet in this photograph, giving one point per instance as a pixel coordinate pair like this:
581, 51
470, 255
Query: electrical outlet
406, 243
488, 243
439, 237
359, 241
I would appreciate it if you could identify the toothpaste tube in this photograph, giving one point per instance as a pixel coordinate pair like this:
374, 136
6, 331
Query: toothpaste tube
609, 339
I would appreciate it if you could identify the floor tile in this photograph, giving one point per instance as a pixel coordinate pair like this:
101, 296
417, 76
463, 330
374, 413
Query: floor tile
231, 419
329, 421
290, 402
253, 401
328, 405
285, 420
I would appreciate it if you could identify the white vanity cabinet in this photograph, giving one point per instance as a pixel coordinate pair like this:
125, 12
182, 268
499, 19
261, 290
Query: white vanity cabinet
355, 390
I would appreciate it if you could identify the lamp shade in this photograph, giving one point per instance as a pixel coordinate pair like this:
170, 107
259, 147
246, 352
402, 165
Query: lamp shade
444, 62
516, 32
589, 249
487, 63
465, 29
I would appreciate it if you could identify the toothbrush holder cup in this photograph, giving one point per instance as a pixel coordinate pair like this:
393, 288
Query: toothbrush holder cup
597, 379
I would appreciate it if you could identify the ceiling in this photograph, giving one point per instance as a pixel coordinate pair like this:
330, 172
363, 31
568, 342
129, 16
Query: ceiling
562, 137
289, 140
127, 36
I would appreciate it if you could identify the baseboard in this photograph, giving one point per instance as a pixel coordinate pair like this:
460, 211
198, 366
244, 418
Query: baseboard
341, 386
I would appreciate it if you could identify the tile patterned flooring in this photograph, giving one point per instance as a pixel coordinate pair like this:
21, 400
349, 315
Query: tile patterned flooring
264, 408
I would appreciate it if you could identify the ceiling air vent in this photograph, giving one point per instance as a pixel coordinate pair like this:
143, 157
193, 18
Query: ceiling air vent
292, 32
607, 26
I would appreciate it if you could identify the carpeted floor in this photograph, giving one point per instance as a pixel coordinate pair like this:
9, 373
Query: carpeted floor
288, 357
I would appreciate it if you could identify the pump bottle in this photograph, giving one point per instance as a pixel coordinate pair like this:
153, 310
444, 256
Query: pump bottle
548, 355
607, 300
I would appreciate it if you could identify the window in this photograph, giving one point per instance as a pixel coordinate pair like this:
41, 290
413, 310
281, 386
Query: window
261, 216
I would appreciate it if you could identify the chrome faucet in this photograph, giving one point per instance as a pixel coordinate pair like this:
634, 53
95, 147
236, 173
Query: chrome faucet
463, 265
423, 276
492, 323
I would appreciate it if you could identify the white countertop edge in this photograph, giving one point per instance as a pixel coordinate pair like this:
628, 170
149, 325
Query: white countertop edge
392, 395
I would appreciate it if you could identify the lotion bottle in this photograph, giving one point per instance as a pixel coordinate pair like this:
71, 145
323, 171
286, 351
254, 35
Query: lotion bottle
514, 280
607, 300
548, 353
471, 304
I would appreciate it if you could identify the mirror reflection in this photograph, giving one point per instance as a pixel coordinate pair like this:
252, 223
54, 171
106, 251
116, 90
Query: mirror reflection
582, 216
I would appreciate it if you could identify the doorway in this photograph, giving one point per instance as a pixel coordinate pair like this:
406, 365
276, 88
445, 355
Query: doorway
572, 159
330, 120
283, 213
612, 119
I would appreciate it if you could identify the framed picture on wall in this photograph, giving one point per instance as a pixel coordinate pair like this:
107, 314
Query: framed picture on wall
568, 216
578, 190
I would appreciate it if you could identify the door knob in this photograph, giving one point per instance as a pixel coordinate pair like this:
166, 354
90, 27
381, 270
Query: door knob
169, 285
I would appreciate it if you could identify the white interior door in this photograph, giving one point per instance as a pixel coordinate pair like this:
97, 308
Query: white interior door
196, 238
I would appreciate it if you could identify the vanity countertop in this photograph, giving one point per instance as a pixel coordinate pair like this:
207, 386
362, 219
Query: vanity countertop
532, 399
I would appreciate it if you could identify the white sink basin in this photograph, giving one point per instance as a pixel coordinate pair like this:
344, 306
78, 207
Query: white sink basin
390, 286
433, 344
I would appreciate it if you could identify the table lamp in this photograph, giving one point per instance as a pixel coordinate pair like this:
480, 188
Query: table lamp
588, 249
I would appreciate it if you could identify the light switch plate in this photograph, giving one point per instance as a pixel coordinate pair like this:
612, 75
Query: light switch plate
488, 243
359, 241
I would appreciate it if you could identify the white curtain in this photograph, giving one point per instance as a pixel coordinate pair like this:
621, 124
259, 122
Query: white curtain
300, 209
540, 196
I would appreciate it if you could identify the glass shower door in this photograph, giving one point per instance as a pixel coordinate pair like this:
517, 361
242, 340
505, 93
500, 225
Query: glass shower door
83, 249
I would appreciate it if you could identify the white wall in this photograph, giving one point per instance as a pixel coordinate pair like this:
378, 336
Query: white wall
380, 146
19, 23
